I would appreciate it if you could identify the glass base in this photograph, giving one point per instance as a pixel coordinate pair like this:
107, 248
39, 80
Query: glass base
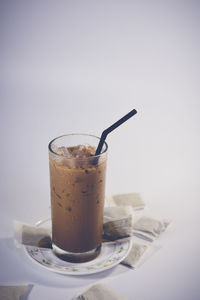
76, 257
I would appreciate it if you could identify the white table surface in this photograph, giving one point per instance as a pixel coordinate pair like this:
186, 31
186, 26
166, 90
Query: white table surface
78, 67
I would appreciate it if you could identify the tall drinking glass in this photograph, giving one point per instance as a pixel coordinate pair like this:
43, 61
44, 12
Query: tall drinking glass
77, 182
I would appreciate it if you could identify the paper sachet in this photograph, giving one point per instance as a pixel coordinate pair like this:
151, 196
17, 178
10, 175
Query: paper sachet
149, 227
15, 292
132, 199
118, 228
137, 254
115, 212
32, 235
98, 292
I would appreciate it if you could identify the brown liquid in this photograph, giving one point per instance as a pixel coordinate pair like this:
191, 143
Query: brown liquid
77, 204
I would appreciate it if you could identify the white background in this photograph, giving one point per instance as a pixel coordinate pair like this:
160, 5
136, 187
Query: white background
78, 66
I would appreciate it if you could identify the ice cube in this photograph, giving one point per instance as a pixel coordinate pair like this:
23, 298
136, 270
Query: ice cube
63, 151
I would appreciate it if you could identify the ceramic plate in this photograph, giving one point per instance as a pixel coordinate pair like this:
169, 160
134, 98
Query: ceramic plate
110, 255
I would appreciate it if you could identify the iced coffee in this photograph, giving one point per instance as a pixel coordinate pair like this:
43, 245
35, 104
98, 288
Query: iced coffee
77, 180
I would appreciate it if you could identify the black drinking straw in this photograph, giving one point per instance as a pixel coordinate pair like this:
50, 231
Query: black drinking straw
112, 127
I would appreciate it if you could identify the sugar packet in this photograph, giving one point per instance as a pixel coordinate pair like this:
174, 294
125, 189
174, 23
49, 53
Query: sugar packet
149, 227
31, 235
99, 291
15, 292
132, 199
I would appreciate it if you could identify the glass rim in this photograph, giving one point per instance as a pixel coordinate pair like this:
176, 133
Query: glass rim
77, 134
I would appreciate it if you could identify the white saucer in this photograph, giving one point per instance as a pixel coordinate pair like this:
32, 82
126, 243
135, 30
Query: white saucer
110, 256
